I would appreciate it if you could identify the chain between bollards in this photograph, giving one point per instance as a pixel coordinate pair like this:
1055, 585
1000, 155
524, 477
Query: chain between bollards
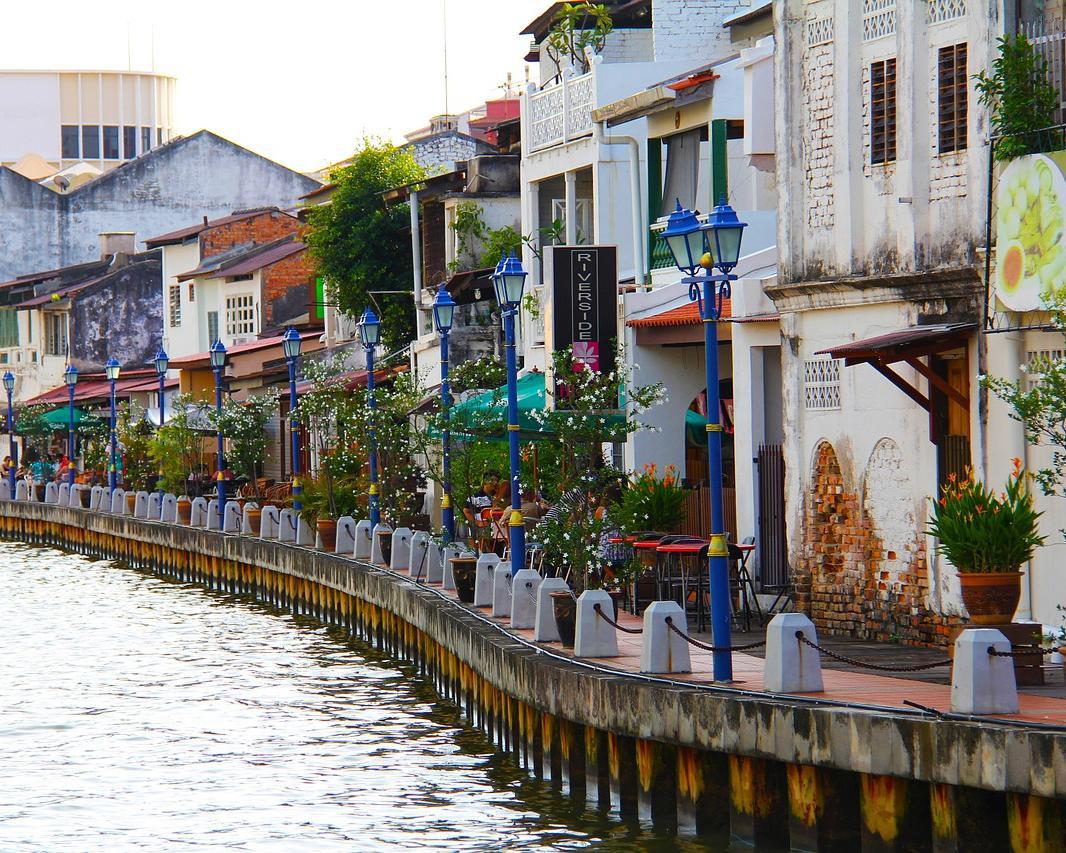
919, 667
610, 621
707, 647
1020, 653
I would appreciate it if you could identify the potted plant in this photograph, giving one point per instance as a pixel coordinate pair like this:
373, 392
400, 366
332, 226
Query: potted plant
139, 471
464, 570
988, 538
184, 510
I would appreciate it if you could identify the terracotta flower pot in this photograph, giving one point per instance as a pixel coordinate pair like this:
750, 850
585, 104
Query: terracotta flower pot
991, 597
565, 607
85, 496
327, 534
184, 508
131, 502
255, 519
464, 570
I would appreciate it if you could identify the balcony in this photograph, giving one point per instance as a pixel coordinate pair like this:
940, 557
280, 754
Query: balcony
562, 112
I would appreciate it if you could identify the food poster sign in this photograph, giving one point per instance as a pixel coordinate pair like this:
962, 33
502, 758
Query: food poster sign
1030, 219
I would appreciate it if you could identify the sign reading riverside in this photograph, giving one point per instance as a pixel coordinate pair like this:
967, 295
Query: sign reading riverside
585, 295
1030, 255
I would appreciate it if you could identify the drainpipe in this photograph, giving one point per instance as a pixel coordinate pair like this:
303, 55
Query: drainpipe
640, 249
416, 259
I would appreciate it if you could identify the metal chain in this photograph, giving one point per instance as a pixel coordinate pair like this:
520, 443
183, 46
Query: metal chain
610, 621
707, 647
1020, 653
530, 593
919, 667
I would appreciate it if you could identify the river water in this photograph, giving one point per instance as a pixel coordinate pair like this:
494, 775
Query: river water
137, 713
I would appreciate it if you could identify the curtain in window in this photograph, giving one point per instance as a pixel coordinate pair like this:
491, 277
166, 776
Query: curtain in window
681, 181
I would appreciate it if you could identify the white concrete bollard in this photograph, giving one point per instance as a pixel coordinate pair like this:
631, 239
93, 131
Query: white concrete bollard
345, 535
376, 557
234, 517
212, 515
64, 494
306, 533
5, 489
168, 512
140, 505
594, 637
363, 540
483, 580
96, 499
118, 502
22, 490
449, 551
51, 492
523, 598
155, 506
198, 514
76, 491
982, 683
246, 522
270, 525
419, 554
661, 650
287, 524
434, 565
791, 665
544, 628
501, 590
400, 556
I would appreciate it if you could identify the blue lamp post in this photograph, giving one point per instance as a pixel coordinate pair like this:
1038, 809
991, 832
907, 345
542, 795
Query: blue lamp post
443, 316
218, 362
161, 362
9, 387
111, 370
70, 377
290, 345
509, 279
714, 246
370, 334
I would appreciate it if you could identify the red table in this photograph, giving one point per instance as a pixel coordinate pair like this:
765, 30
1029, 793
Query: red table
679, 551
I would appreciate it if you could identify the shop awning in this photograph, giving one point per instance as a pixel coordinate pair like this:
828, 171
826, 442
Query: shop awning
58, 420
683, 315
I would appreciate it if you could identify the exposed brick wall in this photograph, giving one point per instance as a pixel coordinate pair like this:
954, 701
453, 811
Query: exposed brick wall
692, 29
947, 172
263, 228
287, 289
847, 580
818, 95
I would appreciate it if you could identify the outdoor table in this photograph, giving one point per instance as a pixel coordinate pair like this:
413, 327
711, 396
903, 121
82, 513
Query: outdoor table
745, 588
679, 551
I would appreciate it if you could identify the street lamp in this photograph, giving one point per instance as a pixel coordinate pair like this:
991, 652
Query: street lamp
509, 279
218, 362
290, 345
111, 370
443, 316
718, 242
70, 377
9, 387
370, 335
162, 362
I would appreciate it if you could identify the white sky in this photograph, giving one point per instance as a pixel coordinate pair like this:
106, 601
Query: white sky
299, 81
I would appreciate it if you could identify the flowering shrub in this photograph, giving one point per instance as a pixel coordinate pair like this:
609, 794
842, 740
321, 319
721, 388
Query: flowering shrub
572, 540
651, 503
982, 532
244, 426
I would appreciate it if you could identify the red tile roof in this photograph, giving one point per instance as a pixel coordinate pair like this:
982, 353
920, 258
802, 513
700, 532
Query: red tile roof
263, 259
92, 389
203, 359
684, 315
182, 234
243, 260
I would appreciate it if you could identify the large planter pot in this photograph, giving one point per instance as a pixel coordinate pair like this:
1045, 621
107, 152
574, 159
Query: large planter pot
255, 519
85, 496
184, 511
131, 502
327, 534
991, 597
385, 542
464, 570
565, 607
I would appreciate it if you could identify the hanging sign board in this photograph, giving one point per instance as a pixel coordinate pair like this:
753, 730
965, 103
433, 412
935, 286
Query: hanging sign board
584, 303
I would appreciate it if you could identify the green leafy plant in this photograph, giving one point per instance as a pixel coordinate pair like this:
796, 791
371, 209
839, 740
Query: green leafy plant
651, 502
1019, 97
980, 531
176, 447
243, 425
139, 472
577, 28
95, 448
497, 244
469, 227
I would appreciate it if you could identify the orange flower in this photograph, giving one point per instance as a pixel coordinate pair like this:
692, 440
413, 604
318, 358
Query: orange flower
1017, 466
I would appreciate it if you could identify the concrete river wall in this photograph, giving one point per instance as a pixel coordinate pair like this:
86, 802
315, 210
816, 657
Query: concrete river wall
777, 772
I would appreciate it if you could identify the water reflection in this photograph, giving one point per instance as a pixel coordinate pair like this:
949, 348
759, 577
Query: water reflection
140, 713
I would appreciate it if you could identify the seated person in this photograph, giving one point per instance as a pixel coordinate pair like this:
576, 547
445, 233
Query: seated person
5, 468
482, 499
532, 507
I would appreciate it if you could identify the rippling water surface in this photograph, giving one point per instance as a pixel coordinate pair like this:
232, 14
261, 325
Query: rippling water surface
139, 713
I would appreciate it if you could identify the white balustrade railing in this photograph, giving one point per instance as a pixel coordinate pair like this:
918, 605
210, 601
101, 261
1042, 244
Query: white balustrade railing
562, 112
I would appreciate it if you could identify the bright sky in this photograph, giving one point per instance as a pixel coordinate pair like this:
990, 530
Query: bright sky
299, 82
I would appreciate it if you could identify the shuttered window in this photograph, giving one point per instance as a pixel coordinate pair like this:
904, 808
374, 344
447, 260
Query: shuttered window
952, 98
9, 328
883, 111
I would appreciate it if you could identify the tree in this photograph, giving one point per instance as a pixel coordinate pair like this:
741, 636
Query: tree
139, 472
577, 28
361, 246
244, 424
176, 447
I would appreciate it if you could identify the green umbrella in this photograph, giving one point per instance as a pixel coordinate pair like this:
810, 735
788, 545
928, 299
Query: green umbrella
59, 419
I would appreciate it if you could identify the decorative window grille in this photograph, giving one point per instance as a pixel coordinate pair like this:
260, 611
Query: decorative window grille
952, 97
584, 217
240, 315
878, 19
821, 383
174, 304
819, 31
212, 327
1035, 363
883, 111
945, 10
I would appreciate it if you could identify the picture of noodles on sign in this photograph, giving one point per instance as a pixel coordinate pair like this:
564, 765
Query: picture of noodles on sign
1030, 256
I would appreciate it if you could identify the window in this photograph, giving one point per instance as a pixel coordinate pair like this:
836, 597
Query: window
821, 383
584, 217
71, 142
883, 111
174, 303
159, 136
90, 142
110, 142
9, 327
129, 142
146, 139
240, 315
55, 334
952, 95
212, 327
192, 292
